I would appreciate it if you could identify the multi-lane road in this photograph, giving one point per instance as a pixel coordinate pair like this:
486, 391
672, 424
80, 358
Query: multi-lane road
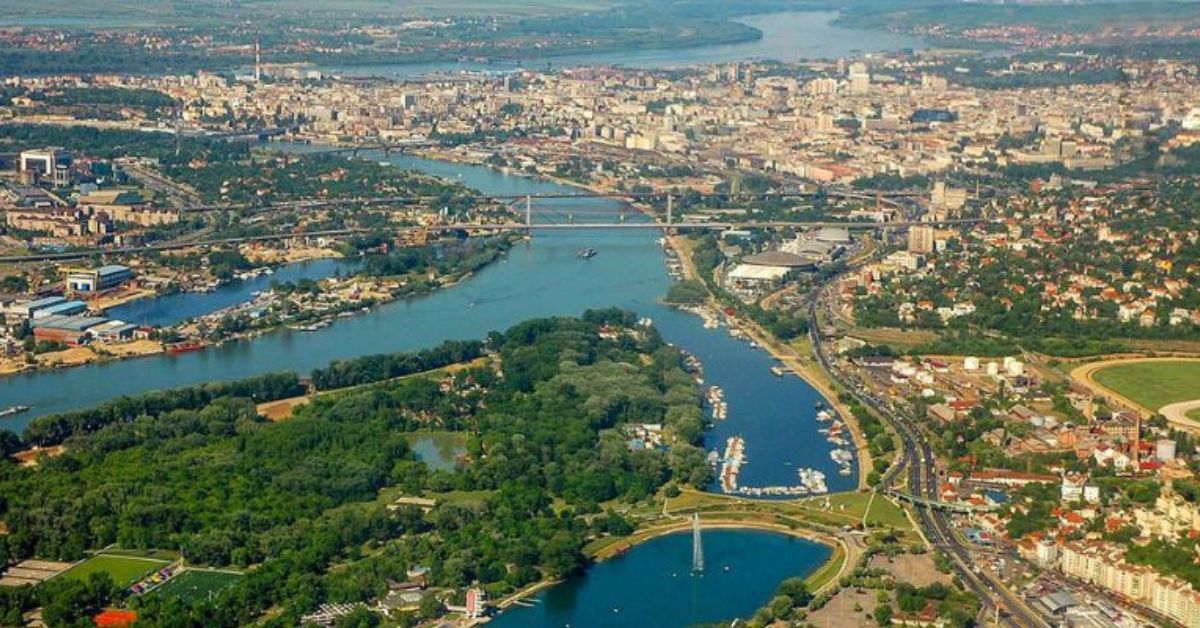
916, 464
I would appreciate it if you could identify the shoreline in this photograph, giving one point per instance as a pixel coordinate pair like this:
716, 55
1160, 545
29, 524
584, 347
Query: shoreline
164, 349
683, 525
770, 344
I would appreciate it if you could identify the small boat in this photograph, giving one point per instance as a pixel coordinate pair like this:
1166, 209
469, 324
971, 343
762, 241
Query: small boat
184, 347
11, 410
586, 253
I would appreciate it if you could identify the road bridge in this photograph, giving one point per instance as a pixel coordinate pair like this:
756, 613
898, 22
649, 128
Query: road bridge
930, 502
510, 198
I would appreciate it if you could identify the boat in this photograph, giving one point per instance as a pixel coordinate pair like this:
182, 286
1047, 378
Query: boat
11, 410
184, 347
586, 253
776, 371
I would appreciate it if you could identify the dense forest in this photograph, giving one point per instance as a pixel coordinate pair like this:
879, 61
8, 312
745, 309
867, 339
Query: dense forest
299, 502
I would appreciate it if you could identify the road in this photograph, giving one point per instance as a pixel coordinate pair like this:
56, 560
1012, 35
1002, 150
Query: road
917, 462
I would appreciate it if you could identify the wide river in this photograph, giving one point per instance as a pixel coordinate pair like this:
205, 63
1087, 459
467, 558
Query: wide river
786, 36
544, 277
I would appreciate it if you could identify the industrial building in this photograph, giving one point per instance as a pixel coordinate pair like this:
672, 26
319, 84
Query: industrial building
51, 163
63, 308
99, 279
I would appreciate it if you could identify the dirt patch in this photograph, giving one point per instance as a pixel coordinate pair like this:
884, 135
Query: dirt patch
67, 357
281, 410
29, 457
915, 569
840, 613
128, 349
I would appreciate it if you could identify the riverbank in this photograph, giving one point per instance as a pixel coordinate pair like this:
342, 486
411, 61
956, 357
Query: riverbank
812, 376
247, 320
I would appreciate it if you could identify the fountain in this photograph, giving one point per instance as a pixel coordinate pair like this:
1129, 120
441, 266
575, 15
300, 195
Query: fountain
697, 549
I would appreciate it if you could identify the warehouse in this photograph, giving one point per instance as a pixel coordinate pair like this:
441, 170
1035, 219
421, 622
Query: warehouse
97, 280
63, 308
69, 330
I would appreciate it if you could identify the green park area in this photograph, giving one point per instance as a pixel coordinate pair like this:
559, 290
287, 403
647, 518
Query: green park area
124, 570
197, 584
1153, 384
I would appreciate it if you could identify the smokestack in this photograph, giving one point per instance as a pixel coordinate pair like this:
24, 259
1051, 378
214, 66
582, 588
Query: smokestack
257, 62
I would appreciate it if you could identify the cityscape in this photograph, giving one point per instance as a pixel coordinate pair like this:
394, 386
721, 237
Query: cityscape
600, 313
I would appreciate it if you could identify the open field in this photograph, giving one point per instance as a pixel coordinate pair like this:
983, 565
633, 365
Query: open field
916, 569
124, 570
197, 584
1152, 384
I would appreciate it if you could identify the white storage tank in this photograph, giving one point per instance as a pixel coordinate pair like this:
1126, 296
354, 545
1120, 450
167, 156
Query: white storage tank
971, 363
993, 368
1164, 449
1015, 368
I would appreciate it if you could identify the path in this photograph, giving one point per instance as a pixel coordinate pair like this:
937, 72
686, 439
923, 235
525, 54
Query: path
1085, 376
1177, 413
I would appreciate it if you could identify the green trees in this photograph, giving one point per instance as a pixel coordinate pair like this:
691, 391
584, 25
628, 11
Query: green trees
197, 470
687, 292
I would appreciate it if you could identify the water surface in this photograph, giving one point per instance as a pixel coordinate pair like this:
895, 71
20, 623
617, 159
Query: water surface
652, 585
787, 36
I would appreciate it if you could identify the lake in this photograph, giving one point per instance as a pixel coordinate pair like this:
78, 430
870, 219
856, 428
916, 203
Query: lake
652, 584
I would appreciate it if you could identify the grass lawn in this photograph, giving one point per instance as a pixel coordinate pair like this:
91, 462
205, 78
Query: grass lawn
1193, 414
849, 508
1153, 384
124, 570
828, 571
197, 584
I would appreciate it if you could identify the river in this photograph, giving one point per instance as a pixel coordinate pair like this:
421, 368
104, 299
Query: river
544, 277
176, 308
775, 415
787, 36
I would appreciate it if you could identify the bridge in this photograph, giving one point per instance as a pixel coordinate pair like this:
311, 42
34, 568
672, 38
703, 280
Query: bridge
386, 147
528, 198
927, 502
525, 227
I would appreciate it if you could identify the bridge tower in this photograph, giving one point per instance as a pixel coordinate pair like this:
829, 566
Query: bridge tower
528, 215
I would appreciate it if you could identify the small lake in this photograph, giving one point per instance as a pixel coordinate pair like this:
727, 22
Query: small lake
439, 451
651, 585
787, 36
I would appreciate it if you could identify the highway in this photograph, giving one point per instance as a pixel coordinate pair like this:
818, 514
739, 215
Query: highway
917, 461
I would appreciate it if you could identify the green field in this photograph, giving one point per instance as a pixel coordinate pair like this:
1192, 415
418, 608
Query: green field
1152, 384
197, 584
124, 570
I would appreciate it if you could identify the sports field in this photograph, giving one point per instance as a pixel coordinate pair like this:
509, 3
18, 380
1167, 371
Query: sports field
124, 570
1152, 384
196, 584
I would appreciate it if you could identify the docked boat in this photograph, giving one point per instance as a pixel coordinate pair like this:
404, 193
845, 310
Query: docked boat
184, 347
11, 410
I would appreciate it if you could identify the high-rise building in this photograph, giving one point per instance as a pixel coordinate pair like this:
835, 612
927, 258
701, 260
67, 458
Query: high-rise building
860, 78
920, 239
